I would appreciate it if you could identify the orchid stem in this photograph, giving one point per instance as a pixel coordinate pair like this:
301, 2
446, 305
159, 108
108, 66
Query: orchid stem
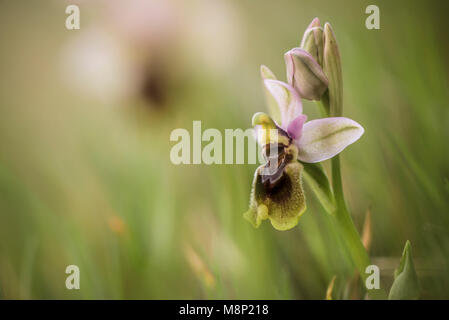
349, 232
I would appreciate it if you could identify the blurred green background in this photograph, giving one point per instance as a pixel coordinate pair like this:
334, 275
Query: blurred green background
85, 172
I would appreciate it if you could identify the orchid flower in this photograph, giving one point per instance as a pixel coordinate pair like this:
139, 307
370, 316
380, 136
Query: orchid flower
317, 140
291, 145
278, 195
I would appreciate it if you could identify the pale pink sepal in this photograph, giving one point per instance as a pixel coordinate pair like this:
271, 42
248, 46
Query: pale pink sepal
287, 98
324, 138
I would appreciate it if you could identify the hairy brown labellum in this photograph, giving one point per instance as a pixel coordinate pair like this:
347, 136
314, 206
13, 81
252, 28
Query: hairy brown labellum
279, 158
278, 192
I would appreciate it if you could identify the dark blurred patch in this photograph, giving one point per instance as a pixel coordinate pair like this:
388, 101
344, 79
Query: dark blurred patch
155, 88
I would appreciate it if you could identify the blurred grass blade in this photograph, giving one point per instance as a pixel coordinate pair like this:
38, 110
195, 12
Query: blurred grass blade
405, 285
330, 288
367, 234
317, 180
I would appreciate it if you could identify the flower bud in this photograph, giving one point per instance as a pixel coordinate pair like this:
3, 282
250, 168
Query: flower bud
332, 69
313, 43
312, 40
315, 23
305, 74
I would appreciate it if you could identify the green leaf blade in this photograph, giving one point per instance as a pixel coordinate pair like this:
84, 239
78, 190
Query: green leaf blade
405, 285
316, 178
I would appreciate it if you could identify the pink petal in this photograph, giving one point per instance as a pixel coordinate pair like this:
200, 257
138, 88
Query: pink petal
294, 129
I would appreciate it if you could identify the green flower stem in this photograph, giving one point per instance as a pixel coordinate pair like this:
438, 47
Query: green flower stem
323, 105
349, 232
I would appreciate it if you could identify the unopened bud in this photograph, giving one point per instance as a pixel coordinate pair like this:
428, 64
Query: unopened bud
305, 74
313, 43
332, 69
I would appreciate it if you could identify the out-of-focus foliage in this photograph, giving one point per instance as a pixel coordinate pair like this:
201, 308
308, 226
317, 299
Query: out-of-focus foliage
85, 173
